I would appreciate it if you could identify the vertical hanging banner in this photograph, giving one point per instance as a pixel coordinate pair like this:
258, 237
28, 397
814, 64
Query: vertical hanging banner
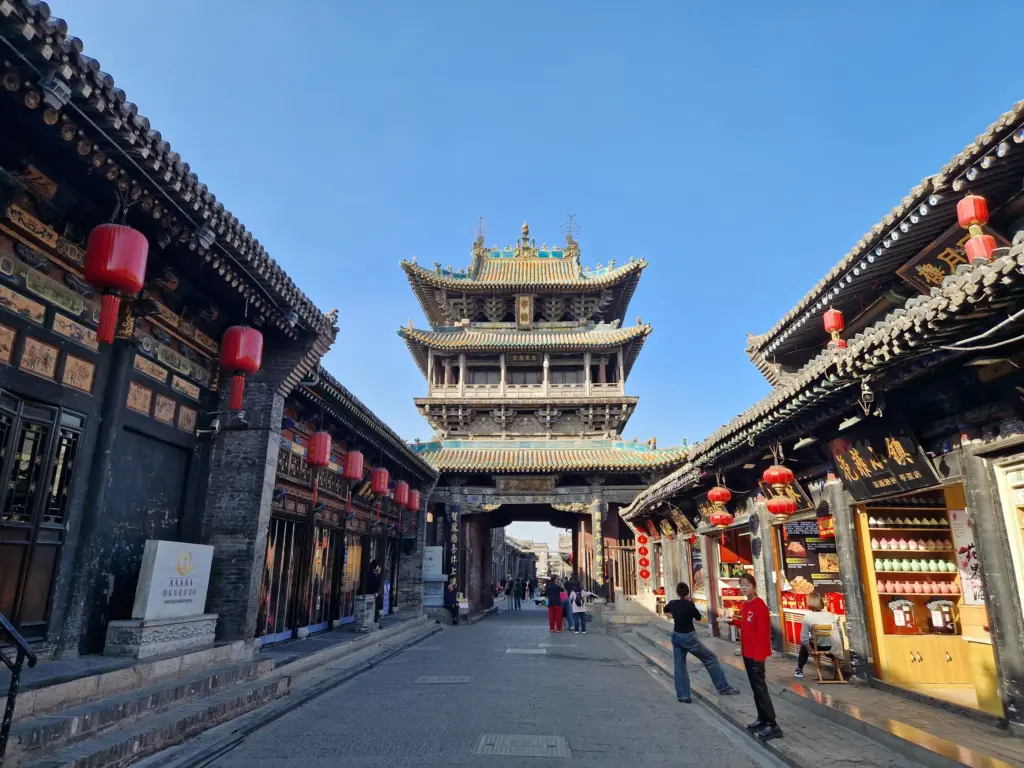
598, 508
453, 572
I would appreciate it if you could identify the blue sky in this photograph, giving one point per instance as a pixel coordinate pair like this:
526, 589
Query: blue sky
741, 150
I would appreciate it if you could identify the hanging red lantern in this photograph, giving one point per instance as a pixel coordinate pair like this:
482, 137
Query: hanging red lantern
719, 495
641, 539
645, 574
115, 264
782, 505
643, 551
379, 481
401, 494
980, 248
241, 352
413, 504
778, 477
834, 321
971, 213
353, 466
318, 453
721, 519
644, 562
972, 210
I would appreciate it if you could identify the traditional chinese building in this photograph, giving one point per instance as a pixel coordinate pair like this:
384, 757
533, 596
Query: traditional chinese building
884, 469
526, 361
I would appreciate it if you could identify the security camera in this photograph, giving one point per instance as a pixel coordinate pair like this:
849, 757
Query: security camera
242, 418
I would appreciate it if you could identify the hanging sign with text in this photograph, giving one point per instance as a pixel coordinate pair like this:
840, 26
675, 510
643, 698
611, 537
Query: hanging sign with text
878, 460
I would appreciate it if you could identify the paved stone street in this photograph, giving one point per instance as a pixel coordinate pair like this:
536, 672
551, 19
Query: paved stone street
609, 709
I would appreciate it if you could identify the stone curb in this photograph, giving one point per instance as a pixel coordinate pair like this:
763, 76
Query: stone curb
901, 746
482, 615
292, 702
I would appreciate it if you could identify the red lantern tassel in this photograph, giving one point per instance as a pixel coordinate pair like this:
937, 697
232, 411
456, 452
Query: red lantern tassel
237, 388
108, 318
348, 505
316, 489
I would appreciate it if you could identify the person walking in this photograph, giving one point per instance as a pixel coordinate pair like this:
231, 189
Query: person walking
578, 601
685, 640
517, 595
553, 593
754, 623
509, 586
451, 602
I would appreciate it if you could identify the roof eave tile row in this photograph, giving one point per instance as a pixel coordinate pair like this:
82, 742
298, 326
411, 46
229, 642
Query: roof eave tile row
554, 459
937, 183
917, 329
583, 283
333, 389
94, 92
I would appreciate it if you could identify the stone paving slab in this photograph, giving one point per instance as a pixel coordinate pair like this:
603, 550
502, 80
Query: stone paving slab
607, 708
805, 729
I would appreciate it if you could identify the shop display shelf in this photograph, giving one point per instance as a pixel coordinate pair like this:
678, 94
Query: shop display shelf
919, 594
918, 551
906, 529
919, 573
869, 510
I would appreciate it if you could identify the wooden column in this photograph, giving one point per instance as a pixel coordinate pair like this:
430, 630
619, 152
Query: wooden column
849, 574
462, 374
586, 373
501, 386
602, 370
547, 358
622, 369
447, 371
430, 371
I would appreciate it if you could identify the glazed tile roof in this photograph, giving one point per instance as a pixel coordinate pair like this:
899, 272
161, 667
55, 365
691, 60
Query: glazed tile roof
938, 194
128, 143
915, 336
471, 340
546, 456
505, 273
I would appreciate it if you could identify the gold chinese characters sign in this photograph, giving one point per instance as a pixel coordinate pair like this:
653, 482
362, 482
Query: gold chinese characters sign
879, 460
940, 259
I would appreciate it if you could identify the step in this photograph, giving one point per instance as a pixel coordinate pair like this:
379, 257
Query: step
125, 745
56, 685
808, 724
32, 738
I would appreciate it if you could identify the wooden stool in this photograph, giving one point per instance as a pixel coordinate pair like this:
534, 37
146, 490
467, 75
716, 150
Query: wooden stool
824, 632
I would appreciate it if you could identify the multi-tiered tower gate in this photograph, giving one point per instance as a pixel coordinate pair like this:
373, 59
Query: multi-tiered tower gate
526, 361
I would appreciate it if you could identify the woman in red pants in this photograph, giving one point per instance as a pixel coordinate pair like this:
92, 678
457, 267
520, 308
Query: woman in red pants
553, 593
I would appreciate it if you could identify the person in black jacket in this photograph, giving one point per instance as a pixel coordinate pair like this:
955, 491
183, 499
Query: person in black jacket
451, 602
685, 640
373, 587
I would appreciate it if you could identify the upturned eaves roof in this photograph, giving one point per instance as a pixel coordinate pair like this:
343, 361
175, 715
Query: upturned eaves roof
965, 302
553, 456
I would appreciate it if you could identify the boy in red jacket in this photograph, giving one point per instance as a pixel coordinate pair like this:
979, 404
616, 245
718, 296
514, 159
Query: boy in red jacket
755, 628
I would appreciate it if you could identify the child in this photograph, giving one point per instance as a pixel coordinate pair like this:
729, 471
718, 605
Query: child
756, 644
579, 608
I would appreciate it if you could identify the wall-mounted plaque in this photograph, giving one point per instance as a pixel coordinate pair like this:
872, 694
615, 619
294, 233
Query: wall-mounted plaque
39, 358
163, 410
78, 373
7, 339
140, 399
879, 459
940, 259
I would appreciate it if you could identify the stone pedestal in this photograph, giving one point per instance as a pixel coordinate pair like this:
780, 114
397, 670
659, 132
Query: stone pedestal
363, 614
142, 638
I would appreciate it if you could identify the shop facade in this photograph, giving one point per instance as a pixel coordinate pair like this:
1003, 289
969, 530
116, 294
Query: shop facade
326, 527
897, 417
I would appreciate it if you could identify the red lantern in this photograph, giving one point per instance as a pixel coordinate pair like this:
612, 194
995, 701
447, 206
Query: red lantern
643, 551
834, 321
379, 481
645, 574
980, 248
721, 519
241, 352
353, 466
778, 477
318, 454
644, 562
781, 505
971, 211
837, 344
401, 495
719, 495
641, 539
115, 263
413, 504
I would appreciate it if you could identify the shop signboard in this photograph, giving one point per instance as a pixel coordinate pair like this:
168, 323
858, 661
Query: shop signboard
793, 491
966, 557
878, 459
811, 561
696, 567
